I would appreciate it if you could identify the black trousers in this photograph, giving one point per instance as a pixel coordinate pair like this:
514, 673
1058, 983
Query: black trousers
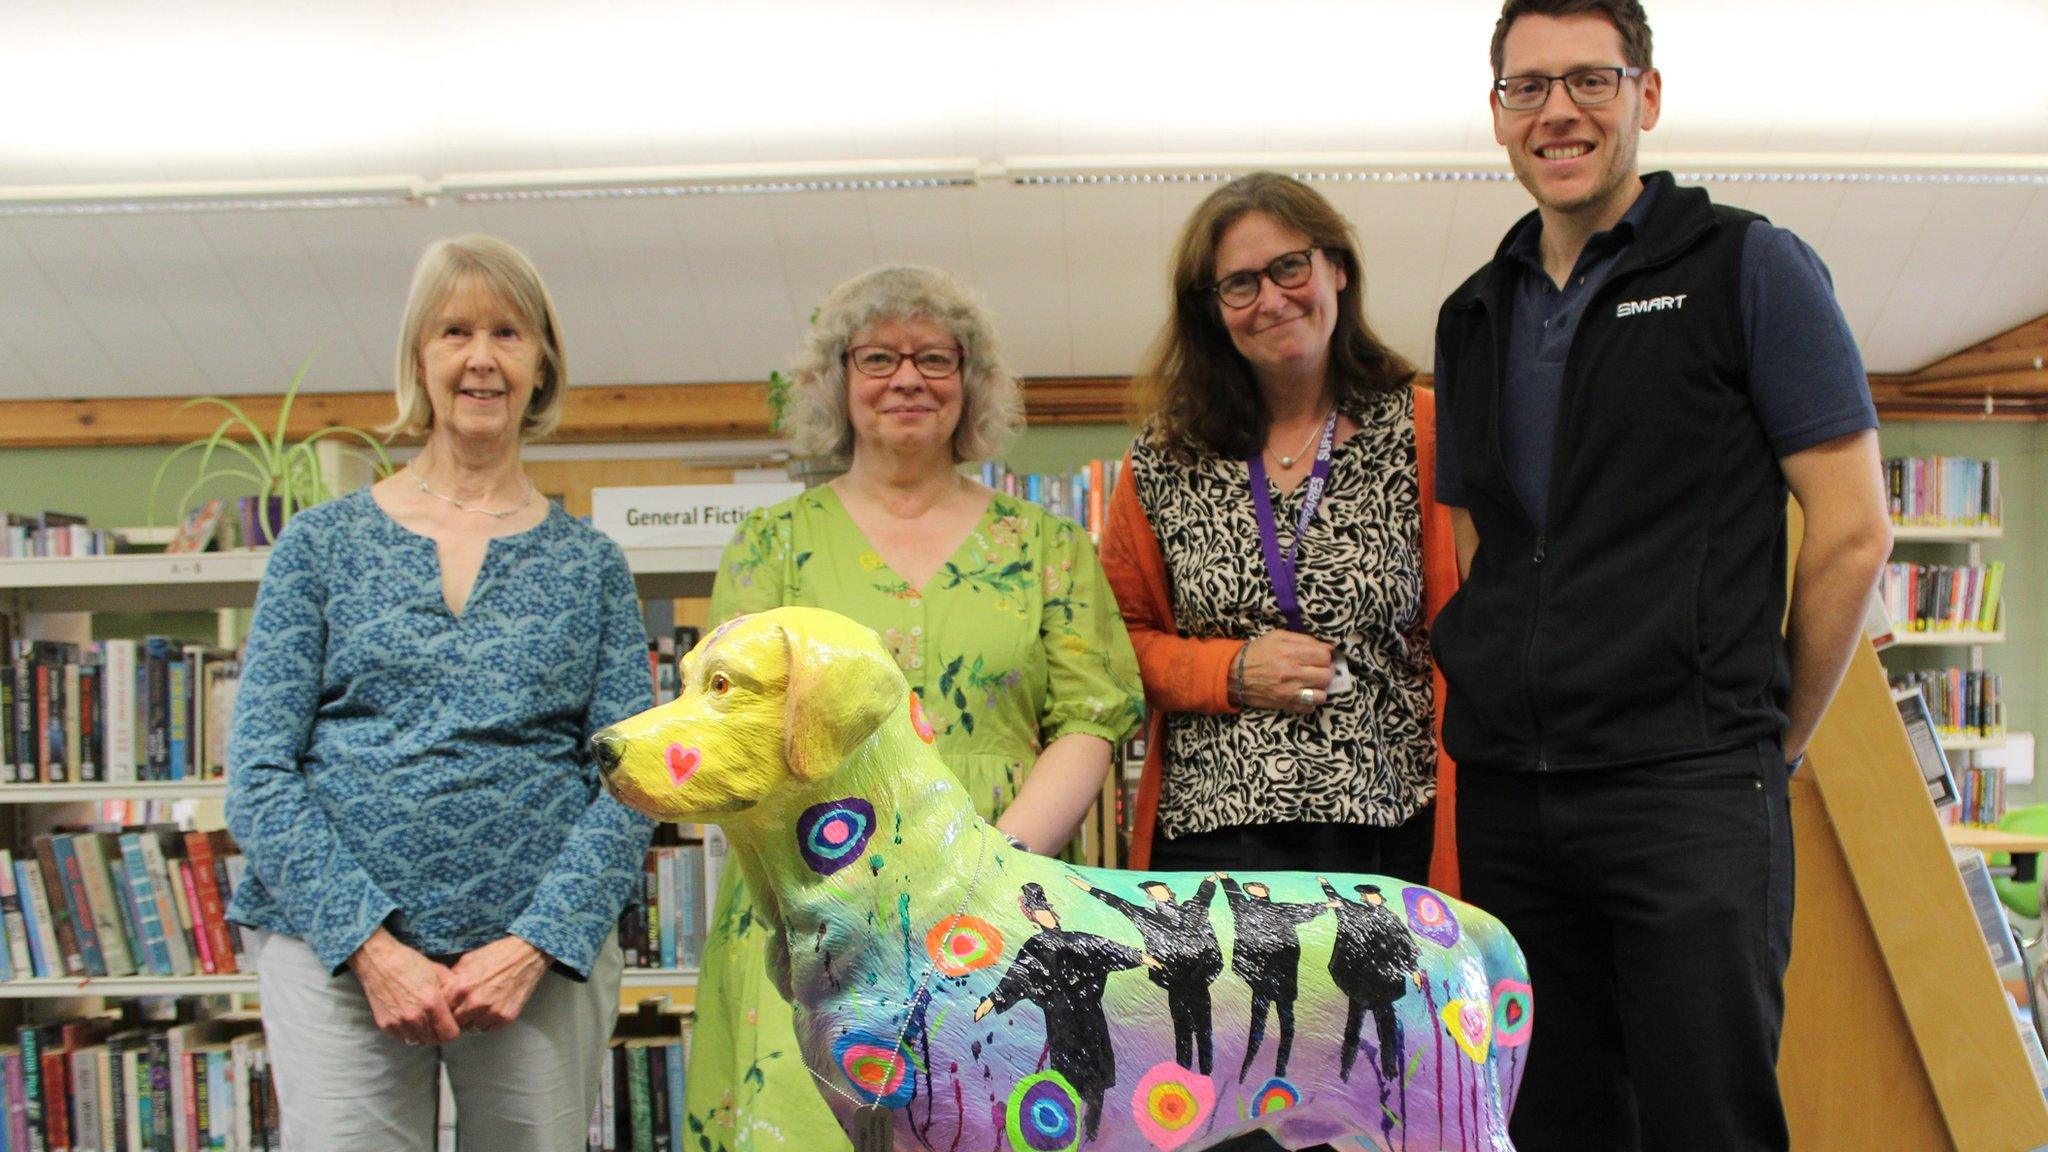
1296, 846
1654, 905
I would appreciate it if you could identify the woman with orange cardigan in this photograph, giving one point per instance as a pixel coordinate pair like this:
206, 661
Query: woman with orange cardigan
1278, 553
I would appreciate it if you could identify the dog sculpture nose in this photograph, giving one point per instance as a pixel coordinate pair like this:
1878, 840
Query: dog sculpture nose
608, 749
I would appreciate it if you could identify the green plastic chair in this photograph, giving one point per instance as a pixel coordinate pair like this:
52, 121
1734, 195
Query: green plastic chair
2022, 896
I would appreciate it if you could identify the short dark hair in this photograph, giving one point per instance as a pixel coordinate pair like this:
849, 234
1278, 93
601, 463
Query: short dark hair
1626, 16
1199, 388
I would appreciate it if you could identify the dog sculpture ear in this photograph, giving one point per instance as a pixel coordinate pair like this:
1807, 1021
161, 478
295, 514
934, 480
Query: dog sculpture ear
841, 686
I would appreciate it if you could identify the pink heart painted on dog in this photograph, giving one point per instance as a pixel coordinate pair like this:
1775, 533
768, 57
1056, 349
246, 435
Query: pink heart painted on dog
682, 762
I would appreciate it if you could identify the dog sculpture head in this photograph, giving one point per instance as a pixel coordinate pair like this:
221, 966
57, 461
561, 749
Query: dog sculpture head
780, 696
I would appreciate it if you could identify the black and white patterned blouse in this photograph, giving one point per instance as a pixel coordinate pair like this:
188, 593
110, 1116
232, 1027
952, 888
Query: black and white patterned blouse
1365, 757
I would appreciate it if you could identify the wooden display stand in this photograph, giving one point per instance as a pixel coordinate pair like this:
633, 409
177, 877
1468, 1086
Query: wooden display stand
1897, 1032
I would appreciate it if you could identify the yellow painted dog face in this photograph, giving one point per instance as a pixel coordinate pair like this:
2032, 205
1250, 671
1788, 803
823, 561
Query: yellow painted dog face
755, 711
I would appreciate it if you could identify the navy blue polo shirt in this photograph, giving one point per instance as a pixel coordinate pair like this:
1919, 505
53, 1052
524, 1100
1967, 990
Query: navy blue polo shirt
1806, 377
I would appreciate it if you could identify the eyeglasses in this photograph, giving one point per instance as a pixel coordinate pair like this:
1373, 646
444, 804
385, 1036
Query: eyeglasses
881, 363
1586, 86
1288, 270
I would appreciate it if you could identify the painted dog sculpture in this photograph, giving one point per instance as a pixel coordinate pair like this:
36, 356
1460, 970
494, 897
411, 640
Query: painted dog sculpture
972, 995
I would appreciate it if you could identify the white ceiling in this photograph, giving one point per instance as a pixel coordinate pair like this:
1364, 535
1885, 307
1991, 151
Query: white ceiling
709, 288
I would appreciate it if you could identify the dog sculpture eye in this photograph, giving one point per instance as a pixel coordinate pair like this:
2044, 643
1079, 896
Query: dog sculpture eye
720, 683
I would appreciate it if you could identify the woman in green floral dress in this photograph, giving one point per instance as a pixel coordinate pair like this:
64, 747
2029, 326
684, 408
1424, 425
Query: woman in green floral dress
996, 610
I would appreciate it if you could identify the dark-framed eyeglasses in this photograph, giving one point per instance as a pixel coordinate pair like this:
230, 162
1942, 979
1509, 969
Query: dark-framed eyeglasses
1287, 270
881, 363
1586, 86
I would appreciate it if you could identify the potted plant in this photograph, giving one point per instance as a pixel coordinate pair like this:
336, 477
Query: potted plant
284, 474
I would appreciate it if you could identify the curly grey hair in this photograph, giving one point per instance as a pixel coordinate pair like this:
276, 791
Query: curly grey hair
992, 406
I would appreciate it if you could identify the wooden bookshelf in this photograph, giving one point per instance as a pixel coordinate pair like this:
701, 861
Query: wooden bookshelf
1897, 1029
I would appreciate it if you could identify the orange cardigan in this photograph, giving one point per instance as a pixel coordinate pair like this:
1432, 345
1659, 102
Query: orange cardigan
1189, 675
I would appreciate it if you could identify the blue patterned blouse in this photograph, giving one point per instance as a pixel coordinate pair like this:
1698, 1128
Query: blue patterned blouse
394, 764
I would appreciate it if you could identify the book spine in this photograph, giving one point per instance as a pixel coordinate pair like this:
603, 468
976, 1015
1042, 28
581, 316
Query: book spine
79, 898
118, 690
107, 901
85, 1100
202, 946
154, 947
56, 892
17, 1099
13, 918
56, 1099
24, 721
167, 895
178, 706
639, 1099
32, 1085
35, 915
211, 913
161, 1122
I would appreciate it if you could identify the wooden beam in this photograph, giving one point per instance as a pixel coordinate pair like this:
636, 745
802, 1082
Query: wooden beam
596, 414
2023, 348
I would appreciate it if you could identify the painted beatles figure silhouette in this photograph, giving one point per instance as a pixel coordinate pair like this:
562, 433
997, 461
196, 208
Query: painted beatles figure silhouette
1267, 956
1064, 973
1180, 937
1373, 963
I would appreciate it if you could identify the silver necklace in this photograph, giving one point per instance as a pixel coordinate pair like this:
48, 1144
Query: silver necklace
870, 1119
459, 506
1314, 432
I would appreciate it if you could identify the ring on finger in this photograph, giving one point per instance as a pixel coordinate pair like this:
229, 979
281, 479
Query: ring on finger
1307, 697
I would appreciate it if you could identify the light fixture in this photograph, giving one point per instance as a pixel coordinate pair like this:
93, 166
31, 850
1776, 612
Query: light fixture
1950, 169
216, 196
711, 180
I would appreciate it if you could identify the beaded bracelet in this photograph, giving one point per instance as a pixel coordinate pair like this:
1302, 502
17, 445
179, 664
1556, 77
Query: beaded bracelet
1237, 676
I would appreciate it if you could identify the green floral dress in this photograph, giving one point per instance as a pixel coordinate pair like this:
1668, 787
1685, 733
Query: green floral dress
1014, 643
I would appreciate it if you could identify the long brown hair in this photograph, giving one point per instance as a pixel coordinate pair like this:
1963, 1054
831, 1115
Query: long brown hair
1199, 390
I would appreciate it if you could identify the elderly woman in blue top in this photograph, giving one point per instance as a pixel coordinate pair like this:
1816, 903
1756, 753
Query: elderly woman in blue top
434, 869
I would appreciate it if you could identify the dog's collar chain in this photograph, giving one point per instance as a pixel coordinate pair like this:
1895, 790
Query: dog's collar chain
870, 1119
459, 506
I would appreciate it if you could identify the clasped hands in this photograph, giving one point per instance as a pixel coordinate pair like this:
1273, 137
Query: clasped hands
419, 1001
1285, 672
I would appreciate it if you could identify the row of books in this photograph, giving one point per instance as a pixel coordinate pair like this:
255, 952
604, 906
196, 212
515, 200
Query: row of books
663, 652
120, 902
227, 523
1942, 491
94, 1084
1943, 597
1962, 701
116, 711
666, 928
1980, 796
1081, 495
640, 1085
56, 534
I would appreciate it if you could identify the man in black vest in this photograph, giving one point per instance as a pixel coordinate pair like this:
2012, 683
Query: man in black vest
1625, 393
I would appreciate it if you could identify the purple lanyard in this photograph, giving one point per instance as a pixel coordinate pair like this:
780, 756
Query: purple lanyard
1278, 567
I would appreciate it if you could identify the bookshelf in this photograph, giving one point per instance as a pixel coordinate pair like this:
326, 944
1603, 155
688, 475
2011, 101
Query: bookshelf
1898, 1033
204, 581
1940, 506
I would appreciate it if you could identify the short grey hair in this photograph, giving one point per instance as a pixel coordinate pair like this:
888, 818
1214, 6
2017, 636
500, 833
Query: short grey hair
507, 272
992, 406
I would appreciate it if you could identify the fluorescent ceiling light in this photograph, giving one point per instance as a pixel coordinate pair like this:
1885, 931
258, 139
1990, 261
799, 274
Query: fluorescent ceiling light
235, 196
711, 179
1949, 169
1492, 166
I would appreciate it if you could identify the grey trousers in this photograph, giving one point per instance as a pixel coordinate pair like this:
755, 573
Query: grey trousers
343, 1086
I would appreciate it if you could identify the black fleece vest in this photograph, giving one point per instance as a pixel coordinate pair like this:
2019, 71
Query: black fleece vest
1644, 624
